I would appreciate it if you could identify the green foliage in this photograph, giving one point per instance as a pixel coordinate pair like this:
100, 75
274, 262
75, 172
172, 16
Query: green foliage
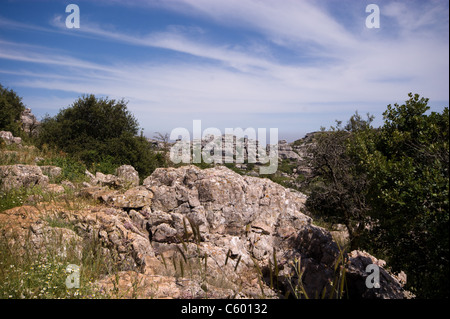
27, 274
101, 133
13, 198
392, 184
106, 165
407, 163
277, 178
72, 169
337, 185
285, 166
11, 107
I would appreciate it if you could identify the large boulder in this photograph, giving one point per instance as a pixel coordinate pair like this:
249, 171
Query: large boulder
136, 197
16, 176
51, 171
30, 123
127, 175
253, 220
386, 286
224, 201
9, 138
107, 180
214, 229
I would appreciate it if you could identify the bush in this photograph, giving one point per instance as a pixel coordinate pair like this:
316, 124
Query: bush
390, 186
407, 162
72, 169
101, 133
11, 107
337, 185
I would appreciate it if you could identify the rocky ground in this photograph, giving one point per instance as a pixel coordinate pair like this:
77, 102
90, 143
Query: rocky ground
192, 233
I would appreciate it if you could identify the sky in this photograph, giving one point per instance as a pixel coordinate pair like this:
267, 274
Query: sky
294, 65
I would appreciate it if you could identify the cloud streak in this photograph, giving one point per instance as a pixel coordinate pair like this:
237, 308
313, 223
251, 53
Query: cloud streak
331, 67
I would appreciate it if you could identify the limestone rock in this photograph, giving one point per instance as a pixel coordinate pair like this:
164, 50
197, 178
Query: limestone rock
390, 286
90, 176
30, 123
285, 151
193, 233
16, 176
55, 188
127, 175
133, 285
118, 232
51, 171
107, 180
227, 201
136, 197
9, 139
68, 184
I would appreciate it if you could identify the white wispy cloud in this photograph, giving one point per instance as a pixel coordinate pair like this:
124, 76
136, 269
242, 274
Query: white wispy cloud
333, 65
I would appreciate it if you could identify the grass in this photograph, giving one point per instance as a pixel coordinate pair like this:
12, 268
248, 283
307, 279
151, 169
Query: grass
39, 196
21, 196
28, 273
53, 220
295, 287
15, 154
72, 169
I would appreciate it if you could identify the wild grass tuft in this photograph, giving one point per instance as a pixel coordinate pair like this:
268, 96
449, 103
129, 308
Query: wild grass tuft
30, 273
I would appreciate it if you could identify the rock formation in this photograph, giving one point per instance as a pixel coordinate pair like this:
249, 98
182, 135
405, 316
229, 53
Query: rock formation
9, 139
193, 233
243, 226
30, 123
16, 176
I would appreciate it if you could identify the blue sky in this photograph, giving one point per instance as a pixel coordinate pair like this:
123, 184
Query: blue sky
295, 65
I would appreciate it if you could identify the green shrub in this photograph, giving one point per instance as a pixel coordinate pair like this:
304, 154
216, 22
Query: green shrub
390, 187
102, 134
11, 107
72, 169
27, 274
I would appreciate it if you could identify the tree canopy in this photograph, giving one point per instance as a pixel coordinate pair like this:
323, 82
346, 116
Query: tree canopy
98, 129
390, 187
11, 107
408, 166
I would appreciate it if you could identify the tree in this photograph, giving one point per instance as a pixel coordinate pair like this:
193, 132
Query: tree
164, 140
97, 129
390, 187
407, 164
11, 107
337, 185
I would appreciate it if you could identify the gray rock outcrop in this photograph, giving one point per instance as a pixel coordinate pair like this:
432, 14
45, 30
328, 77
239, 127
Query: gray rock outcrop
16, 176
51, 170
9, 138
285, 151
30, 123
127, 175
237, 222
237, 236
